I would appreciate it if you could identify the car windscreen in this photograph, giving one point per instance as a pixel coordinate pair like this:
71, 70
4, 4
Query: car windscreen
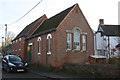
14, 58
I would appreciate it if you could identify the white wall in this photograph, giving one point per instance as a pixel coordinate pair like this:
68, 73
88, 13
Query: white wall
113, 42
98, 40
101, 43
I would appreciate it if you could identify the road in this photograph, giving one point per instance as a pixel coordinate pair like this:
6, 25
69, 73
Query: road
0, 69
20, 75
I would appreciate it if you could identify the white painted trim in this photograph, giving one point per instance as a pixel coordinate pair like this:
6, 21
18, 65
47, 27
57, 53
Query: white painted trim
49, 35
49, 52
16, 41
84, 33
20, 39
69, 31
68, 49
77, 28
30, 44
39, 53
39, 39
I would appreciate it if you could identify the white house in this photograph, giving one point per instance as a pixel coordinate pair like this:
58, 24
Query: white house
106, 39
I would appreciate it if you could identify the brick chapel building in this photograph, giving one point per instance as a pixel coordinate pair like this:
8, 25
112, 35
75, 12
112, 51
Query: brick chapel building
63, 38
20, 42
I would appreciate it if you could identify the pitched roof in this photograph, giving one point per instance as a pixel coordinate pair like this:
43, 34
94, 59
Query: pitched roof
52, 23
118, 45
110, 30
27, 28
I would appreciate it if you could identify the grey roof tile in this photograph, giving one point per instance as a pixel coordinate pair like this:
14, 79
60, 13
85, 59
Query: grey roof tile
52, 23
110, 30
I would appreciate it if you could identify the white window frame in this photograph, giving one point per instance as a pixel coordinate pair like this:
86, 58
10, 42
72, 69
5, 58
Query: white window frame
84, 42
77, 39
19, 39
30, 44
16, 41
39, 45
69, 41
49, 37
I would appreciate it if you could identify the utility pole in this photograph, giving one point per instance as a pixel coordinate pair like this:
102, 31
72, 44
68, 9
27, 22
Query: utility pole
2, 46
5, 38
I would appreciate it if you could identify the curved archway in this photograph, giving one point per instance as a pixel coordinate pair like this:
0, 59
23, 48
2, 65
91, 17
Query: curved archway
39, 39
49, 36
39, 45
77, 32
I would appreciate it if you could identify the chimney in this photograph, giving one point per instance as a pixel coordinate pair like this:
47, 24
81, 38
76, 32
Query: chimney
101, 21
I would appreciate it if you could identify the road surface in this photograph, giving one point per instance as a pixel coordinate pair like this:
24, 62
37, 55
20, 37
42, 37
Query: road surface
20, 75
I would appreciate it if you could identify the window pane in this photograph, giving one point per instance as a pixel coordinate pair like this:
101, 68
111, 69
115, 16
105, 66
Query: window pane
77, 39
69, 40
49, 44
84, 39
76, 36
84, 43
38, 46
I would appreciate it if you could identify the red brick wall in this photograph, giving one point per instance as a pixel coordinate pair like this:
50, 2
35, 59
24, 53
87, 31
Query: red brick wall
74, 19
59, 42
43, 58
23, 43
18, 47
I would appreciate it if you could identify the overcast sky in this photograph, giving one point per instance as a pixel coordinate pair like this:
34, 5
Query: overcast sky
93, 10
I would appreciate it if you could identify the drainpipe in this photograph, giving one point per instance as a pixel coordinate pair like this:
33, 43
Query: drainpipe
109, 47
95, 43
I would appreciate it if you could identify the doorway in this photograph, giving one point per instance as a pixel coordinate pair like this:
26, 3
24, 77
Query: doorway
30, 54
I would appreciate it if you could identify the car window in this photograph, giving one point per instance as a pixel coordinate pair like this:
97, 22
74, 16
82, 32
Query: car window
6, 57
14, 58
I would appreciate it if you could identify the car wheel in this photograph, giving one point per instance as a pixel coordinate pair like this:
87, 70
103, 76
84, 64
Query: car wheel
8, 69
26, 70
3, 68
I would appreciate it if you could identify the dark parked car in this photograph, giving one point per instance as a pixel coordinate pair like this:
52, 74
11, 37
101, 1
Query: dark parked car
14, 63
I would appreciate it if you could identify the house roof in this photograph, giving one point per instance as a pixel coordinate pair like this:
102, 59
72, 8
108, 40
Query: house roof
27, 28
52, 23
110, 30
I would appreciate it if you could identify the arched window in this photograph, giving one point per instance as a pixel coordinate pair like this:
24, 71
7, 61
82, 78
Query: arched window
76, 39
39, 45
49, 37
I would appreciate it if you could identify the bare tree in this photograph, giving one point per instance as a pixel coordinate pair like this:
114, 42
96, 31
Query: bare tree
10, 36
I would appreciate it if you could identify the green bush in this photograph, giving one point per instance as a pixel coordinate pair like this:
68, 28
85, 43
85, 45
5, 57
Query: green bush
114, 60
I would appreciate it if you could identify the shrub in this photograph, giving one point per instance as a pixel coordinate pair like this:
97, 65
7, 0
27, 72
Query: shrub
114, 60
